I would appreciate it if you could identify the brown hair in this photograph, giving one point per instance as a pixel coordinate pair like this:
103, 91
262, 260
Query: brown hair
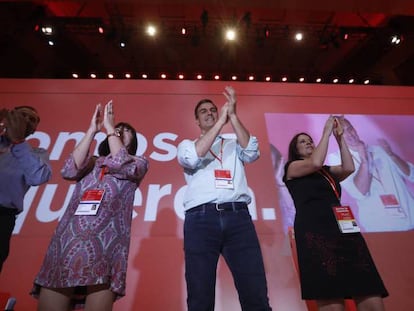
203, 101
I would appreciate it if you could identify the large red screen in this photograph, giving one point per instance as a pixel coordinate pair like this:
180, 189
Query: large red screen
162, 113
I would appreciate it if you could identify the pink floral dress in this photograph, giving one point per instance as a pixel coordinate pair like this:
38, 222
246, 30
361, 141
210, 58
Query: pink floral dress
92, 250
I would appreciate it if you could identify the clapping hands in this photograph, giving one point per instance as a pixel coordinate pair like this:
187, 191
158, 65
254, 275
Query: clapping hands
103, 118
230, 95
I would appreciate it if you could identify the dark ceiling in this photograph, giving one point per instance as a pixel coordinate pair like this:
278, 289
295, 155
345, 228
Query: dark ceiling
324, 52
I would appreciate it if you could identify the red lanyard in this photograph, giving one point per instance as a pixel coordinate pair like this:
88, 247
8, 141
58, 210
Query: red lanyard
104, 170
331, 181
219, 157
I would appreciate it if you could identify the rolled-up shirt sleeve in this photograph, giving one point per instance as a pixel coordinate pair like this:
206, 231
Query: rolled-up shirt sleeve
187, 155
251, 152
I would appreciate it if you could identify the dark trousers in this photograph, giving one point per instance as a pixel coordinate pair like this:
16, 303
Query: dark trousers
209, 233
7, 222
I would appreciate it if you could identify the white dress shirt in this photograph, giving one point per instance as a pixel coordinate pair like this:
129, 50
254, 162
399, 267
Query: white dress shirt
224, 154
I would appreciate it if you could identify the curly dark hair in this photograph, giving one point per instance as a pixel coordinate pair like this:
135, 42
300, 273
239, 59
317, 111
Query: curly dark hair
103, 149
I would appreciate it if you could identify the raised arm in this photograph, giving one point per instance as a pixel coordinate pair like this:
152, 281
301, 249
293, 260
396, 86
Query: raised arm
239, 129
81, 150
402, 164
313, 161
347, 166
115, 142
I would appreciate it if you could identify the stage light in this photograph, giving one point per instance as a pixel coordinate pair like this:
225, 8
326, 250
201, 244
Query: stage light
51, 42
151, 30
396, 39
75, 75
110, 76
163, 76
351, 81
318, 80
101, 30
251, 78
230, 34
144, 76
122, 44
268, 79
216, 77
366, 81
199, 77
93, 76
299, 36
180, 76
301, 79
47, 30
183, 31
336, 80
234, 78
284, 79
128, 76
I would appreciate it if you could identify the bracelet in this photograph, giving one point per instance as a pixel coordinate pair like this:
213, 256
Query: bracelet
113, 134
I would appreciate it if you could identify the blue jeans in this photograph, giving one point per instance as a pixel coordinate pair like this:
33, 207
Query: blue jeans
209, 233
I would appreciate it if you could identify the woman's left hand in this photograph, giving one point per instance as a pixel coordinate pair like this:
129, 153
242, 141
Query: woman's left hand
338, 129
109, 117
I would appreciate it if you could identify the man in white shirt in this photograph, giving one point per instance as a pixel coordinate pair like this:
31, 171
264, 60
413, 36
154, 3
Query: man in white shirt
217, 220
378, 184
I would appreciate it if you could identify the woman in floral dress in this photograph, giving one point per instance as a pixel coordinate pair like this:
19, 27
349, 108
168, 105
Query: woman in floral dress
86, 261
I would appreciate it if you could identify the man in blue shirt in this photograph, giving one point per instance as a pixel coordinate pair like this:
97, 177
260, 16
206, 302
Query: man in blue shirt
21, 166
217, 220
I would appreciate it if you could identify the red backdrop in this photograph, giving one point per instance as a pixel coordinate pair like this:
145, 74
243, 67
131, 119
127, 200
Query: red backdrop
162, 113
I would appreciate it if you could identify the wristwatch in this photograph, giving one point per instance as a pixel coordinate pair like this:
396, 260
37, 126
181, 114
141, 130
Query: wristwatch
116, 133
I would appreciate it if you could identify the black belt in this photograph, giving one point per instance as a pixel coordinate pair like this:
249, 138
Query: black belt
220, 207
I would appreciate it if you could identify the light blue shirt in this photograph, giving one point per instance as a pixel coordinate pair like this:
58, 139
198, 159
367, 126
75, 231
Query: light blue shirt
21, 167
199, 171
387, 179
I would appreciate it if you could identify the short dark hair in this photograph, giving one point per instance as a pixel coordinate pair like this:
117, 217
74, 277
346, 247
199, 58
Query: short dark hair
293, 150
203, 101
32, 118
103, 149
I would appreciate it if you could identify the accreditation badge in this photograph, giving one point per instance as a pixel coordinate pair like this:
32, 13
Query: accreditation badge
90, 202
389, 200
392, 206
346, 220
223, 179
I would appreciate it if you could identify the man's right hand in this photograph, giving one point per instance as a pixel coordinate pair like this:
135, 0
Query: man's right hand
224, 118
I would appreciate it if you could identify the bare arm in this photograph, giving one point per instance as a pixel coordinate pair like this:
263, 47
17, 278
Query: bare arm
363, 175
115, 142
347, 163
81, 150
315, 161
403, 165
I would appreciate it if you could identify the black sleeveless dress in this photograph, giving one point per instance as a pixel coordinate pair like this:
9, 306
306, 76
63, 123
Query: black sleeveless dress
331, 264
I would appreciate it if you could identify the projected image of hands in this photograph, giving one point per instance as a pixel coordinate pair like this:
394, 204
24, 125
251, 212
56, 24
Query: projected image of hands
380, 191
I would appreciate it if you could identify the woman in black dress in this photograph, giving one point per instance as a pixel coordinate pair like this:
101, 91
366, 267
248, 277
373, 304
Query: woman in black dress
333, 266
